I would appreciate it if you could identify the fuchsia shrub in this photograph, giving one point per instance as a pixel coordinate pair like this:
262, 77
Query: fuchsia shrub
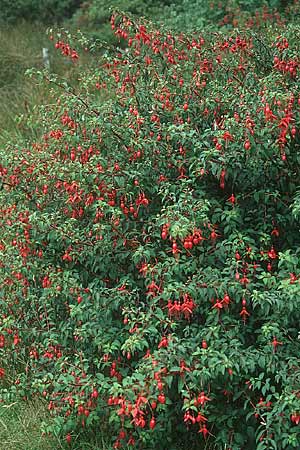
149, 250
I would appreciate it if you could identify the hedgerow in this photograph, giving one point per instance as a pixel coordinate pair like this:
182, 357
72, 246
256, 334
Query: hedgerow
150, 242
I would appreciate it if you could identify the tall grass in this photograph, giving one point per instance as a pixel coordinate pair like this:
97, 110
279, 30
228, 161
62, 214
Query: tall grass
20, 429
20, 49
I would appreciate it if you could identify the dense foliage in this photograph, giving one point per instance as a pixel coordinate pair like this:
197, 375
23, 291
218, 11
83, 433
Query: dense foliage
48, 11
180, 14
199, 14
98, 11
149, 252
94, 16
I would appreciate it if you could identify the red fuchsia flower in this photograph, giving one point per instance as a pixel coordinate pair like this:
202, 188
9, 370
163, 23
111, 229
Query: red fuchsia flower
244, 314
164, 342
131, 441
203, 430
232, 199
227, 136
275, 344
272, 253
201, 418
218, 305
202, 399
222, 179
189, 417
293, 278
2, 341
226, 300
16, 339
275, 232
295, 418
269, 116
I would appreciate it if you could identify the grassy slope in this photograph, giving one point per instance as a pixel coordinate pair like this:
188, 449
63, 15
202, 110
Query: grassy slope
20, 429
20, 49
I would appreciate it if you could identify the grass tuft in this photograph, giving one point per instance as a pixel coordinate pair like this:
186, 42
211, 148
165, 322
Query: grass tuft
20, 429
20, 424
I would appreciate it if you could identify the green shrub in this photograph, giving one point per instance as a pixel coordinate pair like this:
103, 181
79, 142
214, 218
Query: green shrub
48, 11
99, 11
200, 14
183, 14
94, 16
149, 252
